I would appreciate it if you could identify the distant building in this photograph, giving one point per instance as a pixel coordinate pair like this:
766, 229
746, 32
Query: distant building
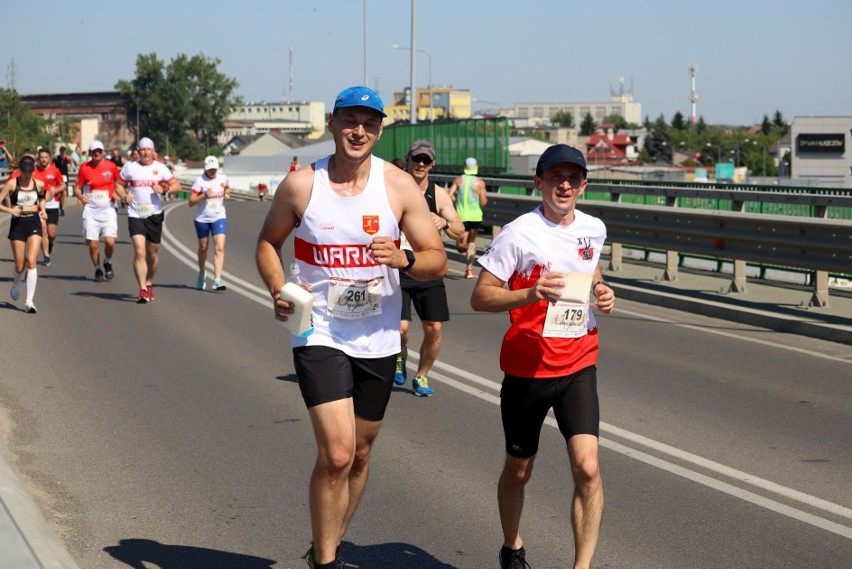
432, 104
611, 149
822, 151
101, 115
621, 104
271, 144
304, 119
236, 144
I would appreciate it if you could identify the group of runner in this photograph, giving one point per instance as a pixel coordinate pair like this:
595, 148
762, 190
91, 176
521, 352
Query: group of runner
34, 193
348, 214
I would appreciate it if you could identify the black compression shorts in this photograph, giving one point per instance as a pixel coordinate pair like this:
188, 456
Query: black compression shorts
429, 302
327, 374
524, 403
23, 227
52, 216
151, 227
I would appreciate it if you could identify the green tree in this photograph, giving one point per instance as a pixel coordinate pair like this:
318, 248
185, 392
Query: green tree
588, 126
659, 141
21, 127
701, 126
766, 126
617, 121
564, 119
678, 122
182, 105
780, 124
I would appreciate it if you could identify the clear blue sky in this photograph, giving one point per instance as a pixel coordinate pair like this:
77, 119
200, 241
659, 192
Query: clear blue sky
753, 56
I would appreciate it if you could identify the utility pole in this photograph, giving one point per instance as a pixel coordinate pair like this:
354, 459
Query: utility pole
365, 43
693, 95
413, 84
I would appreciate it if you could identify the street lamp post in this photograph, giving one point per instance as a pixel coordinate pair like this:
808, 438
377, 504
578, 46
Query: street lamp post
718, 152
763, 153
427, 54
50, 133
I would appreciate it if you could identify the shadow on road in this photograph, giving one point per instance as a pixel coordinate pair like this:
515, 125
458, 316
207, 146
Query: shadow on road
121, 297
136, 552
389, 556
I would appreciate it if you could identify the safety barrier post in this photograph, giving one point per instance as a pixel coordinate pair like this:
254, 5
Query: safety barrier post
672, 258
738, 283
615, 255
820, 297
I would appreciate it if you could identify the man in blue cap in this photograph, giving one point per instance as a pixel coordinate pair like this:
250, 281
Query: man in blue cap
346, 211
549, 259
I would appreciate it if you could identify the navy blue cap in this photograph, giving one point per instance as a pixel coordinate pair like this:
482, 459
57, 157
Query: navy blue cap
360, 96
26, 164
557, 154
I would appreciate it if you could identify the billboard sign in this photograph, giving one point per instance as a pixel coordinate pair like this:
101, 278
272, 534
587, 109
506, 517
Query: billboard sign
821, 143
724, 171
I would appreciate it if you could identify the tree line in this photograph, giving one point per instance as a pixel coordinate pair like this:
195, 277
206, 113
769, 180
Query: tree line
700, 144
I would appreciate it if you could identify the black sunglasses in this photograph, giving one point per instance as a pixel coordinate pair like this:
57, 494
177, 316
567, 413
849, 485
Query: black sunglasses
422, 158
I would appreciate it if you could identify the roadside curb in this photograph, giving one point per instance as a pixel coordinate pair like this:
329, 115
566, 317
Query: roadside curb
26, 539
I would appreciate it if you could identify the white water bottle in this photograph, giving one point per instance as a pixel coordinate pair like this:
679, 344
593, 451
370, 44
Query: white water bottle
301, 321
295, 274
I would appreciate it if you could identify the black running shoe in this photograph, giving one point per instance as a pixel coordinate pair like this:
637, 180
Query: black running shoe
99, 275
310, 559
108, 274
513, 558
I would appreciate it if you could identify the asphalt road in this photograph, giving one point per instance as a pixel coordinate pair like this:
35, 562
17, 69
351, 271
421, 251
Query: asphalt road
172, 434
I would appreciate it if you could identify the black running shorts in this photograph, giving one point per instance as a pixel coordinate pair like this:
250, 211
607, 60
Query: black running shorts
52, 216
151, 227
23, 227
524, 403
468, 225
429, 302
327, 374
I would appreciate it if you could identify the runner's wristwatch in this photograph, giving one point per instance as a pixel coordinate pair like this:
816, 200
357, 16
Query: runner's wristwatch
409, 254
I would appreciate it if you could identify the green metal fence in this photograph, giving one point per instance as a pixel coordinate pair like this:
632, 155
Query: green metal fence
487, 140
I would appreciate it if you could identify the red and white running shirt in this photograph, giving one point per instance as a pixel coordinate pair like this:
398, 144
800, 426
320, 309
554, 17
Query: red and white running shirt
98, 182
51, 176
525, 249
140, 182
357, 301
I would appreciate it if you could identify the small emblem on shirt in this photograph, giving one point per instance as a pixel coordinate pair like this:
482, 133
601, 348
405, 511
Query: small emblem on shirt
586, 252
370, 224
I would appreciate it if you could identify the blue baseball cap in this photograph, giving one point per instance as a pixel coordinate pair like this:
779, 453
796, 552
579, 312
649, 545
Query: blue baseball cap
557, 154
360, 96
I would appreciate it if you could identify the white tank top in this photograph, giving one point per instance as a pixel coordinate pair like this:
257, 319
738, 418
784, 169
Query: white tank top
357, 302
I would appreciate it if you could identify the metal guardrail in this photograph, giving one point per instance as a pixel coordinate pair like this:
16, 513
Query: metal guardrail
671, 195
814, 244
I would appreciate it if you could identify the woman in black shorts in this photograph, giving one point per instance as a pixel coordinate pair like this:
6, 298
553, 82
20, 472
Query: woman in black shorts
26, 197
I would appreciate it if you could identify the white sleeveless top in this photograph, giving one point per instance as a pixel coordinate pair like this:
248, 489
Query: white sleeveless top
357, 302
